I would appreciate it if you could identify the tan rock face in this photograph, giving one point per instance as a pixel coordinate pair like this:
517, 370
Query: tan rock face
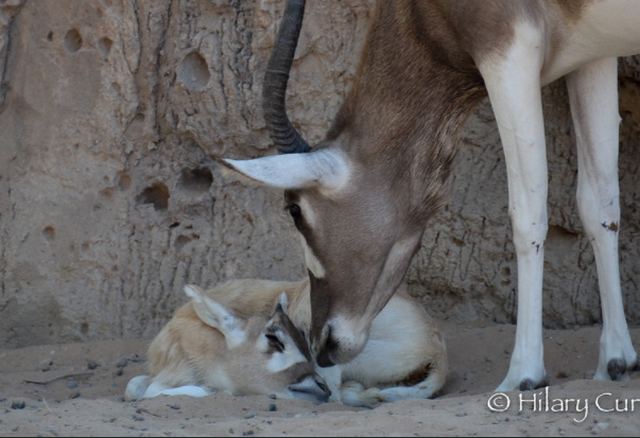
108, 204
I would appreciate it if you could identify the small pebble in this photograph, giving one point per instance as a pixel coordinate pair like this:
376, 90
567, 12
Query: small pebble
122, 363
248, 433
249, 415
92, 364
273, 407
72, 383
175, 407
119, 372
272, 396
18, 404
74, 395
137, 418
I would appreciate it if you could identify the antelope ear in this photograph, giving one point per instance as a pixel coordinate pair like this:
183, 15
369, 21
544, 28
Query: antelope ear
326, 168
217, 316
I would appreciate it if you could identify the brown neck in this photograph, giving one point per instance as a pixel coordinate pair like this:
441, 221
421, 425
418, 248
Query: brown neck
413, 91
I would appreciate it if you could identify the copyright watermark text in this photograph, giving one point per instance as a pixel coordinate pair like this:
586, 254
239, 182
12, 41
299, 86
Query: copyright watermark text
542, 401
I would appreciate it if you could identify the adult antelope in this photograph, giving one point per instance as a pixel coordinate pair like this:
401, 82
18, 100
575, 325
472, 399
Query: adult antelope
362, 197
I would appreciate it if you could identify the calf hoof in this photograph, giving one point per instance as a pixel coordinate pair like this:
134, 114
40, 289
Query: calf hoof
617, 369
529, 385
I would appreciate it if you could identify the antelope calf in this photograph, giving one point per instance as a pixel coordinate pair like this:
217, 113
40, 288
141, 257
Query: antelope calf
209, 346
224, 339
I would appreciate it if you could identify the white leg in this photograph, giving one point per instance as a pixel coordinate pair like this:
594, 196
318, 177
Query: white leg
157, 388
513, 84
333, 378
188, 390
428, 388
354, 394
137, 387
593, 93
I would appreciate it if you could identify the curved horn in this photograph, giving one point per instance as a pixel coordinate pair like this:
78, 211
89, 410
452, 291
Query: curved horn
284, 135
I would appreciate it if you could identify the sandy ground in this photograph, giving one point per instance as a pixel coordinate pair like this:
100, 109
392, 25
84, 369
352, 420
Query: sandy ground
76, 389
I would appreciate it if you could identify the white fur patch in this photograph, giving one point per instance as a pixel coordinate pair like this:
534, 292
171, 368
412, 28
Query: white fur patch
137, 387
282, 361
307, 212
216, 315
312, 262
188, 390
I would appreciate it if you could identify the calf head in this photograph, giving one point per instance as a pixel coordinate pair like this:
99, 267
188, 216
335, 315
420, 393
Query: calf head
263, 356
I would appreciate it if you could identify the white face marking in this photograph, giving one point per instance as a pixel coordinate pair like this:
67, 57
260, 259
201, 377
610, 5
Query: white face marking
312, 262
281, 361
307, 212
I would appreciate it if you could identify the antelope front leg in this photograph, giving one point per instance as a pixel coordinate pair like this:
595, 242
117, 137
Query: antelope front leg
593, 94
513, 84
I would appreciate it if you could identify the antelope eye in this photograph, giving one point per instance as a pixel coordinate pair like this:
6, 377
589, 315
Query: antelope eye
294, 211
275, 343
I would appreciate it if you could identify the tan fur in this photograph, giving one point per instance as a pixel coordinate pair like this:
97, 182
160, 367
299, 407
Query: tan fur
189, 352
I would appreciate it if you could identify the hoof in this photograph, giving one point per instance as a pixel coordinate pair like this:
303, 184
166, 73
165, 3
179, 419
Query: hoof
617, 368
529, 385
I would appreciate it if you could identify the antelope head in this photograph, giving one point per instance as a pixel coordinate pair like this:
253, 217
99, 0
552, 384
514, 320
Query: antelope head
351, 199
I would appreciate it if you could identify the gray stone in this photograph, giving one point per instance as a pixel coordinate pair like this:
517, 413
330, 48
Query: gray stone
108, 204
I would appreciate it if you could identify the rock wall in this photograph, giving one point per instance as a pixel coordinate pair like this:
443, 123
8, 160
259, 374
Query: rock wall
108, 206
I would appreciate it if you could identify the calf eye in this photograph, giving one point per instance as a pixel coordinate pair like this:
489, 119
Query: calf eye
275, 343
294, 211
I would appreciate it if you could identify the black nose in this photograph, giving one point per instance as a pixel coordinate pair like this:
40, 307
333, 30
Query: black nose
323, 359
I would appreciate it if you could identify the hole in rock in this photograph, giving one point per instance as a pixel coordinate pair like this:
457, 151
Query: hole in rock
73, 40
182, 240
196, 180
156, 194
104, 46
193, 72
49, 232
124, 180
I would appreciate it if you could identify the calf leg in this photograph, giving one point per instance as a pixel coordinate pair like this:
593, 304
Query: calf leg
593, 94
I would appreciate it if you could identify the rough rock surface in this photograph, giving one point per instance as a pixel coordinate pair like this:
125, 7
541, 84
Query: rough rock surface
108, 206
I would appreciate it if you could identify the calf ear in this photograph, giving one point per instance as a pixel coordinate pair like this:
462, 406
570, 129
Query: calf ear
283, 303
217, 316
324, 168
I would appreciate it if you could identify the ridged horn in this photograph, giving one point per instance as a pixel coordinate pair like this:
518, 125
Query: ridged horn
284, 135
